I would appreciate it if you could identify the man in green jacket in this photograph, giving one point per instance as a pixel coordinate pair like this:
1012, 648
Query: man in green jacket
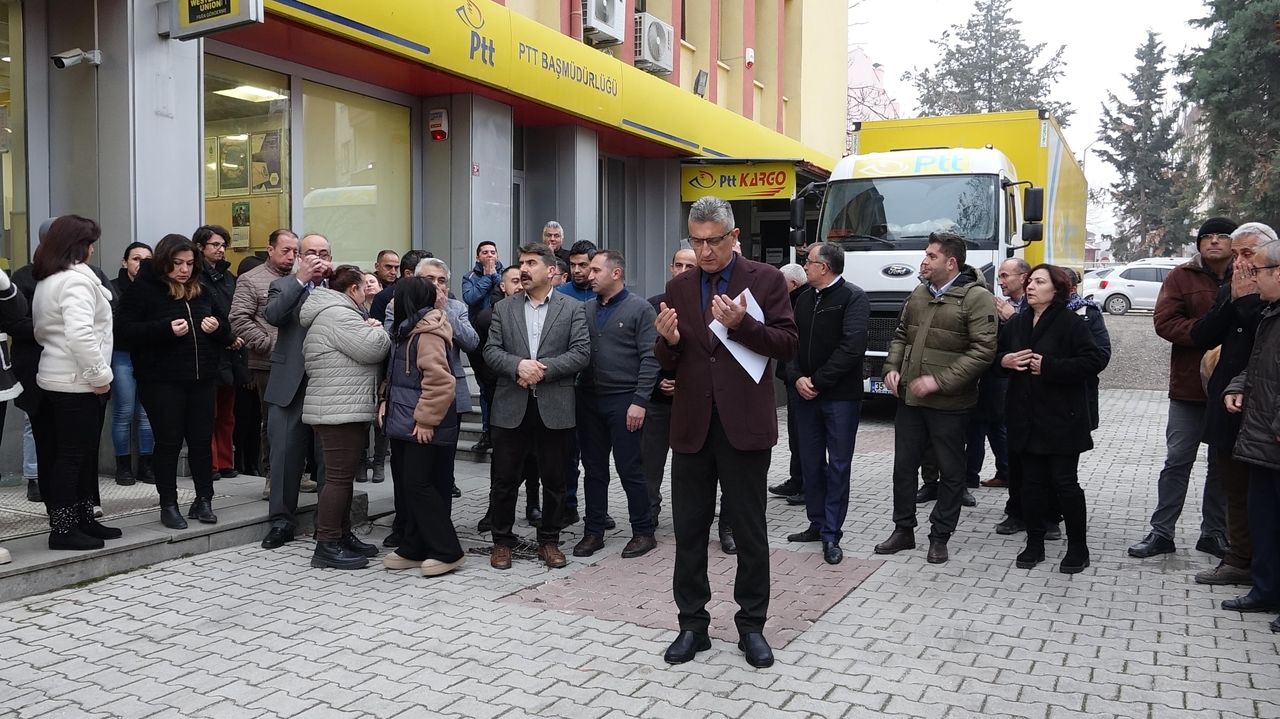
945, 341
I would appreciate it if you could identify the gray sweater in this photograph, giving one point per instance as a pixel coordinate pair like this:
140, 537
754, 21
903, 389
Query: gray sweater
622, 339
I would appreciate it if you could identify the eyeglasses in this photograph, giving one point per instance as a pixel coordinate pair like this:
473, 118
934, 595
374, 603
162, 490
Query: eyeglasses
1216, 236
697, 243
322, 254
808, 261
1255, 269
215, 245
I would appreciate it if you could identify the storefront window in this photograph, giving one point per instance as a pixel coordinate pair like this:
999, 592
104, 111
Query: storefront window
13, 140
246, 152
356, 171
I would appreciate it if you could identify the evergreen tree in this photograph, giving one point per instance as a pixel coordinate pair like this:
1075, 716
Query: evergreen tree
986, 66
1236, 82
1139, 141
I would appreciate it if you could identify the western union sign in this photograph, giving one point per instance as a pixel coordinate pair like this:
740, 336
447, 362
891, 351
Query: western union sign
197, 18
749, 181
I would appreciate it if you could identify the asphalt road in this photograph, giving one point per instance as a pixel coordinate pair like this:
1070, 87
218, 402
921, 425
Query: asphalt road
1139, 357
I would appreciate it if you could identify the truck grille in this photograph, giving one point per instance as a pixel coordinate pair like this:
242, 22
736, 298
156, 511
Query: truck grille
880, 333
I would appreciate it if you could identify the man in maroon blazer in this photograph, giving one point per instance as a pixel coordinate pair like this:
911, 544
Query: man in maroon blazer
723, 423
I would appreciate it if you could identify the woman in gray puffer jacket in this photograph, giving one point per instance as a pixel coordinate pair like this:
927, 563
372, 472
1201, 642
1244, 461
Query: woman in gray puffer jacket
342, 353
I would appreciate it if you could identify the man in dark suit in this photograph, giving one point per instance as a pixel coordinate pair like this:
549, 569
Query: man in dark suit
538, 342
723, 423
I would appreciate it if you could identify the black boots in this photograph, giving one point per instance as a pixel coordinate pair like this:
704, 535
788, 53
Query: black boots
33, 491
92, 527
483, 445
1033, 554
1077, 557
335, 555
171, 516
65, 531
146, 475
201, 509
124, 471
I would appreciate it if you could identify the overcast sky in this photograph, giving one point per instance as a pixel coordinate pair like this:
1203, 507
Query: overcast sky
1101, 37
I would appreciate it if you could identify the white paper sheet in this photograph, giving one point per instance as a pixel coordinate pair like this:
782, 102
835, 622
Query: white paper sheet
754, 363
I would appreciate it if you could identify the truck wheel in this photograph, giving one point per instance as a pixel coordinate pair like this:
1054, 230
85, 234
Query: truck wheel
1117, 304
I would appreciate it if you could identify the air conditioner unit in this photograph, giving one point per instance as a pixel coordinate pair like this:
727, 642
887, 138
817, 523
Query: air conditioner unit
603, 21
655, 44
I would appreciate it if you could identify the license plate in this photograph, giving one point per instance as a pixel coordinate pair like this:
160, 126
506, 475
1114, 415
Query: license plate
878, 387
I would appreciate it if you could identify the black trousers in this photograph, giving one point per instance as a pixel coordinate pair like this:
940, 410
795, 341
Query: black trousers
66, 429
510, 447
917, 429
1051, 484
423, 474
247, 437
742, 479
180, 411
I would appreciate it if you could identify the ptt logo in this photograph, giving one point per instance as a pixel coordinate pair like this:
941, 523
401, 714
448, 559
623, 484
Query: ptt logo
474, 19
703, 180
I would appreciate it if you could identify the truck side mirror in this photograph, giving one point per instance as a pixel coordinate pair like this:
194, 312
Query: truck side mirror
1032, 232
798, 238
1033, 205
797, 213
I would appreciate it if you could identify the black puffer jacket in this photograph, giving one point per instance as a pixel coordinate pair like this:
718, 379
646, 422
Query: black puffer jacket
220, 285
833, 340
1049, 413
1232, 325
144, 320
1259, 440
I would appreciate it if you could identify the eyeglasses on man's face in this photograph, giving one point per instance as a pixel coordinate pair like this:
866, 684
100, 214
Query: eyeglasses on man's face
1253, 270
808, 261
1217, 236
698, 243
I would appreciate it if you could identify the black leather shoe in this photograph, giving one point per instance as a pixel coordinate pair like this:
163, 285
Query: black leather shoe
1053, 532
927, 493
1216, 546
277, 537
485, 525
728, 544
392, 541
808, 535
589, 545
609, 523
1151, 546
229, 473
202, 509
789, 488
757, 650
533, 516
483, 445
900, 539
1275, 626
966, 498
457, 493
831, 553
1249, 605
686, 646
350, 541
1010, 525
796, 500
640, 545
937, 552
333, 555
171, 517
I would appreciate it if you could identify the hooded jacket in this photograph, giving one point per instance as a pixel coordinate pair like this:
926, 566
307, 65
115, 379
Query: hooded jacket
144, 320
1187, 294
477, 287
71, 316
342, 355
951, 337
420, 386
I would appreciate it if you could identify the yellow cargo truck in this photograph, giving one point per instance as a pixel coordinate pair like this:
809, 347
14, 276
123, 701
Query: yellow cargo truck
1006, 182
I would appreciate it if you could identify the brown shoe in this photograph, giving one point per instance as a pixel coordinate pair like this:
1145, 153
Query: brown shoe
995, 482
501, 557
590, 544
549, 552
640, 545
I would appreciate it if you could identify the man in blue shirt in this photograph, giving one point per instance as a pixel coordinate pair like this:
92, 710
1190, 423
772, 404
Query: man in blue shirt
579, 286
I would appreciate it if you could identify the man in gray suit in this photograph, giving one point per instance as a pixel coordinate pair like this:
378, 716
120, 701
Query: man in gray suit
289, 438
537, 344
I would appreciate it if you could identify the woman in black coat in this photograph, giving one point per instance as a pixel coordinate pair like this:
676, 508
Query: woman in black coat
176, 338
1051, 358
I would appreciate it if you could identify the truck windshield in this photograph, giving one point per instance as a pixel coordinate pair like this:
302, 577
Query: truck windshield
899, 212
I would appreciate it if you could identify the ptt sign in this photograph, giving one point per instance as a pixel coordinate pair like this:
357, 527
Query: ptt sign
752, 181
481, 46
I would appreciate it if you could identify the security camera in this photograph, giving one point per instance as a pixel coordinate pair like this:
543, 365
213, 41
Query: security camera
75, 56
750, 57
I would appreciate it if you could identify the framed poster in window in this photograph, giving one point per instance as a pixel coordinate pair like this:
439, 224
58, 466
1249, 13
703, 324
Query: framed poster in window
233, 165
240, 223
210, 167
265, 167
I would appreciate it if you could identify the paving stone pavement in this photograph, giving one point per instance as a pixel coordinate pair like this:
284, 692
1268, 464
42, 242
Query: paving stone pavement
250, 633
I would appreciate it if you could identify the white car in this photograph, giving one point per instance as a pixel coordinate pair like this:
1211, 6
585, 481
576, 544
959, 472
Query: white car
1089, 283
1134, 286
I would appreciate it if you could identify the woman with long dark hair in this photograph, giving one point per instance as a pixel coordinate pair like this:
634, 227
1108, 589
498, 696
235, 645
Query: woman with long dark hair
342, 352
125, 407
1051, 358
176, 335
419, 415
71, 317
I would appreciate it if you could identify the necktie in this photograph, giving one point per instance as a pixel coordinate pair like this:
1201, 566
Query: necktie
713, 281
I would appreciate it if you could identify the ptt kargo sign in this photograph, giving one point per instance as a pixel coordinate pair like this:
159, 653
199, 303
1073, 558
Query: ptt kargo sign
748, 181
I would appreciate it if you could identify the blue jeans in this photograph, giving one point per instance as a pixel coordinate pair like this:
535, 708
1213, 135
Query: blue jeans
602, 426
30, 467
125, 407
827, 429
